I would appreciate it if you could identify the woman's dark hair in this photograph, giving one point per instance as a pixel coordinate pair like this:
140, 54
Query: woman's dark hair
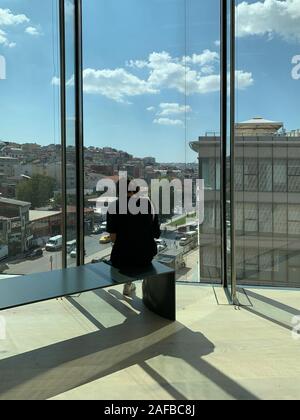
134, 188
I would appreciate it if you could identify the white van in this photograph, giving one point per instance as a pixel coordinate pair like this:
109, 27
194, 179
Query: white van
54, 244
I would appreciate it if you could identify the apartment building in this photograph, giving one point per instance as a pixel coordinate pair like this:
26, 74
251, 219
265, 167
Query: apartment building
267, 203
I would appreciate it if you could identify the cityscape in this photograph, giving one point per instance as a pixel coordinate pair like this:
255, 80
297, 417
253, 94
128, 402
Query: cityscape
196, 102
30, 205
267, 188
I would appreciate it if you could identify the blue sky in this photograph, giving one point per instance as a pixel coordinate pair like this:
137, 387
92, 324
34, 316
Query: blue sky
151, 71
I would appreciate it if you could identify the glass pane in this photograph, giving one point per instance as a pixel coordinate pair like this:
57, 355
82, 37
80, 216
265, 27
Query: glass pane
151, 84
30, 149
203, 123
268, 142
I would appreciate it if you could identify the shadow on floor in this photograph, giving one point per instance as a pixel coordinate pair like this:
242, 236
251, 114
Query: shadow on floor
47, 372
271, 310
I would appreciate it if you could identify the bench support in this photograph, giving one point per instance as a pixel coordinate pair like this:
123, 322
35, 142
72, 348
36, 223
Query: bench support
159, 295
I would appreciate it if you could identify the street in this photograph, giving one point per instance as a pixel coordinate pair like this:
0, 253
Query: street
43, 264
52, 260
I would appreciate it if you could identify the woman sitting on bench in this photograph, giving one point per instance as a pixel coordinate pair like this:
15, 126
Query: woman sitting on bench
133, 235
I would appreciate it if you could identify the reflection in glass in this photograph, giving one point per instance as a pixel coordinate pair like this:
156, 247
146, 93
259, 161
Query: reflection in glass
268, 147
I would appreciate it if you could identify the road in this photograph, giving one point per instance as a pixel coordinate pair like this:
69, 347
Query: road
93, 249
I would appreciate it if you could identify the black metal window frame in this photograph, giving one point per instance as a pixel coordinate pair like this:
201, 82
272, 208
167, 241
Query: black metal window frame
79, 141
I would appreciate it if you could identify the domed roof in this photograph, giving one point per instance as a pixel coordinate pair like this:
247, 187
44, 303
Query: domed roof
258, 125
260, 120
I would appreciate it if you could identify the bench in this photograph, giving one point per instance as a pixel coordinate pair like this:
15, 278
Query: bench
159, 286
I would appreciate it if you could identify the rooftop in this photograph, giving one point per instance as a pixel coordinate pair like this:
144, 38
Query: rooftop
38, 214
260, 121
258, 126
7, 158
14, 202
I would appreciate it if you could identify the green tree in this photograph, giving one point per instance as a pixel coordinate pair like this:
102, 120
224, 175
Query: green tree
38, 190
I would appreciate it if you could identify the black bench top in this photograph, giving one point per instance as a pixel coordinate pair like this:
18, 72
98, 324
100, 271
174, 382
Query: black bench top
33, 288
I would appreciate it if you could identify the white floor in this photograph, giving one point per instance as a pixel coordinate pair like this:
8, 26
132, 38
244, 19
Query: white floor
100, 346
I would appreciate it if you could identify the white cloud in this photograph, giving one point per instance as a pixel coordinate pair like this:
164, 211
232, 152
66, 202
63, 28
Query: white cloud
269, 17
160, 72
138, 64
207, 70
217, 43
182, 74
33, 31
151, 109
207, 57
168, 122
7, 18
115, 84
168, 109
171, 73
243, 79
4, 40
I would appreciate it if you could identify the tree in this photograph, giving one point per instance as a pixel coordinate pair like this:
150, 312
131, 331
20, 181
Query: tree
37, 190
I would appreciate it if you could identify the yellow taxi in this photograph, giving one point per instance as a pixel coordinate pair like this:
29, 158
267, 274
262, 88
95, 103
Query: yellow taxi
105, 239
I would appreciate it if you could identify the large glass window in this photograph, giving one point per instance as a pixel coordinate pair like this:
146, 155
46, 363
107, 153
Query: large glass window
152, 94
30, 149
267, 120
152, 85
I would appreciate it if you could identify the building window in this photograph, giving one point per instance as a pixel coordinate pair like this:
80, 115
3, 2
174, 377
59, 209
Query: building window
265, 175
251, 218
280, 175
265, 218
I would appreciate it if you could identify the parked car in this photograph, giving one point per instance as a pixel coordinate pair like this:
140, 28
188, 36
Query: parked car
179, 236
105, 239
96, 230
73, 254
35, 253
104, 226
99, 229
161, 245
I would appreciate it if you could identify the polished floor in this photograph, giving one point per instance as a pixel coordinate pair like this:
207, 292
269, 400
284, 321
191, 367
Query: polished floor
102, 346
